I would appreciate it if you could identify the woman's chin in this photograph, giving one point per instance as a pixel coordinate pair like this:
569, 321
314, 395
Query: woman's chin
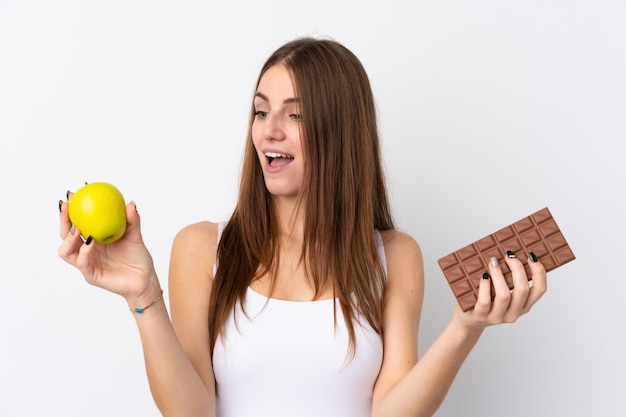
284, 192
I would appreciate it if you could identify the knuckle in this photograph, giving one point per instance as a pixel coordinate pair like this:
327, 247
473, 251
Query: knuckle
482, 305
63, 251
522, 291
542, 290
503, 297
496, 321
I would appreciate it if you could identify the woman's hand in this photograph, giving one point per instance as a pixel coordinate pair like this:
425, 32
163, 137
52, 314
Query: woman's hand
507, 305
124, 267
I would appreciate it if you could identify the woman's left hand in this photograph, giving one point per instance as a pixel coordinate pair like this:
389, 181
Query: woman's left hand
506, 305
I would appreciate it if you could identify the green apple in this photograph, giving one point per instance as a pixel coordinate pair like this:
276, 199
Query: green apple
98, 210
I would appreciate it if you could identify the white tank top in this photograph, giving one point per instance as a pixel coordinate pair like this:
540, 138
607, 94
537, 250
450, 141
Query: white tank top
288, 359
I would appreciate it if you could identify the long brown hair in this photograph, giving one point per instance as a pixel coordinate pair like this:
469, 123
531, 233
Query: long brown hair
343, 194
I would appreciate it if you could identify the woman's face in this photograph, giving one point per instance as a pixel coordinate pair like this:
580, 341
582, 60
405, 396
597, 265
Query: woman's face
276, 132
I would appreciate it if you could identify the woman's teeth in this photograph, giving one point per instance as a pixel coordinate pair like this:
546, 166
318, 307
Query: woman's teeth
273, 155
277, 155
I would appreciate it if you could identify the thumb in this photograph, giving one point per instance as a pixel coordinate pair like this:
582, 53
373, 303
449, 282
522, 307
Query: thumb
83, 259
133, 222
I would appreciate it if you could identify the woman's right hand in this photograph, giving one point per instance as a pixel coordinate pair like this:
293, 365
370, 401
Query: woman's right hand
124, 267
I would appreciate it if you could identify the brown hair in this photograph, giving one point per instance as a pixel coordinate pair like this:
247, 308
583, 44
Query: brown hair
343, 194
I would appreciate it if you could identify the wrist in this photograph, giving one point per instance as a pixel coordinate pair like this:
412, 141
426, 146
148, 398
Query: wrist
140, 310
463, 331
150, 296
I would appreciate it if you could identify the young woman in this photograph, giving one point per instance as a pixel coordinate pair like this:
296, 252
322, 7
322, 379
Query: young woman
307, 301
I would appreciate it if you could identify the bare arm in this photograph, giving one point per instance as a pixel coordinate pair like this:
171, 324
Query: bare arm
176, 386
177, 356
408, 387
125, 267
190, 282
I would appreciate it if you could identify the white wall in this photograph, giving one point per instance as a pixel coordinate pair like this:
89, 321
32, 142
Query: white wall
489, 111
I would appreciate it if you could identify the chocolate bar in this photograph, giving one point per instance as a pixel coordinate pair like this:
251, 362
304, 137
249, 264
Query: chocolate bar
537, 233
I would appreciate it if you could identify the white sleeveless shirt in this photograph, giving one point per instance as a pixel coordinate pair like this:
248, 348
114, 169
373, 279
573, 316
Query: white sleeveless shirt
288, 359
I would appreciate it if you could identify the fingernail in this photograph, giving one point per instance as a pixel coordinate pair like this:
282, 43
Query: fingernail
72, 230
89, 239
67, 195
60, 203
485, 276
494, 261
135, 204
510, 254
532, 257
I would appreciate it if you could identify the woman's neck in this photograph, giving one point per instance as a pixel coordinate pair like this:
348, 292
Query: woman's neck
290, 216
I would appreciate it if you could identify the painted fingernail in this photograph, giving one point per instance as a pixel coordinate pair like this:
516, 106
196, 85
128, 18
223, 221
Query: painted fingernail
485, 276
67, 195
494, 261
510, 254
532, 257
60, 203
89, 239
72, 230
135, 204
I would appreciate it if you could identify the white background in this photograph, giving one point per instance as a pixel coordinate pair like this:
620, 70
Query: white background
489, 111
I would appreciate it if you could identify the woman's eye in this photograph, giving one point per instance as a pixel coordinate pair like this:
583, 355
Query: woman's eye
260, 114
296, 117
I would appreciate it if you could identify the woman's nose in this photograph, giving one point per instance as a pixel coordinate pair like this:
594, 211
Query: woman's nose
274, 128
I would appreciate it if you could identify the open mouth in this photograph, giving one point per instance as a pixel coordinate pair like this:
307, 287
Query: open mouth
276, 160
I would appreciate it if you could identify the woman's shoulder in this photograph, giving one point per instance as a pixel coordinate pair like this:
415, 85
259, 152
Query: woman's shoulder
203, 232
199, 230
196, 245
397, 241
404, 257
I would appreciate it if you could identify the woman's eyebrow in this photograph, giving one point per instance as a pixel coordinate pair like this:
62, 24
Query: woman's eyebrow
286, 101
261, 96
